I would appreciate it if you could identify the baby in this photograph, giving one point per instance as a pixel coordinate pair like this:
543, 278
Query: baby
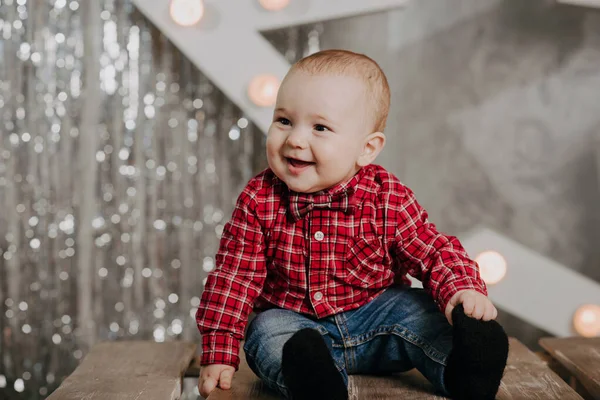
320, 245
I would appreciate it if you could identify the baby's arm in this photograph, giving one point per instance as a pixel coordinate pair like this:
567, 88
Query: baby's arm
231, 289
437, 260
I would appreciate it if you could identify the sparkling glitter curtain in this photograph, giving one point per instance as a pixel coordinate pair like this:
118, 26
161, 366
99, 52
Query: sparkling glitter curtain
119, 164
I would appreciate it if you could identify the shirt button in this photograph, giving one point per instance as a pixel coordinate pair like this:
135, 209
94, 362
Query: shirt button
318, 296
319, 235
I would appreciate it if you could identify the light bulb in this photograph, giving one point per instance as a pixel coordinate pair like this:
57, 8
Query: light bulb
263, 90
186, 12
274, 5
587, 320
492, 266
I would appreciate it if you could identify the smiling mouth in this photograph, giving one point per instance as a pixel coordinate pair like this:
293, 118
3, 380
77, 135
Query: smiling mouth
298, 163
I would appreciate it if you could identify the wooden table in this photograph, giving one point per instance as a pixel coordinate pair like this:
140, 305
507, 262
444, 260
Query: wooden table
126, 370
581, 357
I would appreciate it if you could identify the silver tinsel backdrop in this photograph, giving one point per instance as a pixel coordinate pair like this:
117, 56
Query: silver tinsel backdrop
119, 164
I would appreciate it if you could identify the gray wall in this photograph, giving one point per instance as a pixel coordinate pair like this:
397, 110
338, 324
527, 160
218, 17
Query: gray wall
495, 118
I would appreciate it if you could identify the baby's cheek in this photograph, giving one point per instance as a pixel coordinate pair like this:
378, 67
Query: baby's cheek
272, 151
273, 141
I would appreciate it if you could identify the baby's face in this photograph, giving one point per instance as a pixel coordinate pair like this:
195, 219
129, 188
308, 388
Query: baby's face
319, 130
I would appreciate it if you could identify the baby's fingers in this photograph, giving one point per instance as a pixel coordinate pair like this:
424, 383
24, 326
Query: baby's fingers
490, 312
207, 385
469, 305
225, 380
479, 309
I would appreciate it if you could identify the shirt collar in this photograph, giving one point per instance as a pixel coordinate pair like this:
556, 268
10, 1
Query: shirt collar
339, 197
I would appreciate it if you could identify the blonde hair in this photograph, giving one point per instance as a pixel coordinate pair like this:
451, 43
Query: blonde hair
344, 62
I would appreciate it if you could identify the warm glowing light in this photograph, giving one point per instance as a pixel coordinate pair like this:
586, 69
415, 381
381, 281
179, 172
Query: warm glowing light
274, 5
492, 266
587, 320
186, 12
263, 90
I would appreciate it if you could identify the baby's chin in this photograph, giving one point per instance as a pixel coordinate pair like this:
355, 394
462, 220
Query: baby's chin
299, 187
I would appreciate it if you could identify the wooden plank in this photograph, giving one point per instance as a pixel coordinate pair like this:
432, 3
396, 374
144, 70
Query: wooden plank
126, 370
526, 377
580, 356
411, 385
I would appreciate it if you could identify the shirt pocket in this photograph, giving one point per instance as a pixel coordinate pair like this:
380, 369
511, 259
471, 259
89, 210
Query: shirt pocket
364, 264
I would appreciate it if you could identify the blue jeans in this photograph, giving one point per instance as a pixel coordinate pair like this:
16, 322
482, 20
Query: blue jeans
399, 330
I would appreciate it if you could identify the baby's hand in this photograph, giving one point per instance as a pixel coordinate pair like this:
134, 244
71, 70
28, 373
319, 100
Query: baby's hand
476, 305
211, 375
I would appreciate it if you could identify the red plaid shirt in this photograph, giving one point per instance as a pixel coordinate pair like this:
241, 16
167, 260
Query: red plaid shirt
322, 254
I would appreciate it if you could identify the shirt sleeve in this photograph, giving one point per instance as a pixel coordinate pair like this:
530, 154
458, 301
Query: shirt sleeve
439, 261
233, 285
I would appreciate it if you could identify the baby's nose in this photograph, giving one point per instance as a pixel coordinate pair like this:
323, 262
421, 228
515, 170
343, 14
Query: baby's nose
297, 138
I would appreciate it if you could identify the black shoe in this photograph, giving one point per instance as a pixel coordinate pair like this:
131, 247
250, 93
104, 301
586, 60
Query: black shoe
478, 357
308, 369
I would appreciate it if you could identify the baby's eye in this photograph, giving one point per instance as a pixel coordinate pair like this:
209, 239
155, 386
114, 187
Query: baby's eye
284, 121
321, 128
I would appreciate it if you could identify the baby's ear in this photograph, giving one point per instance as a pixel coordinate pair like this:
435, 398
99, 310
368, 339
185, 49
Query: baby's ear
373, 145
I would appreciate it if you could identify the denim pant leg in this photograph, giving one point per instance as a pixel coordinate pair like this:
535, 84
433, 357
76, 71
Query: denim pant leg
267, 334
397, 331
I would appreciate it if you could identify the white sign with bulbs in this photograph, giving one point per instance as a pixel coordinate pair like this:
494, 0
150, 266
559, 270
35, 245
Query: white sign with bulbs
222, 38
546, 294
535, 288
